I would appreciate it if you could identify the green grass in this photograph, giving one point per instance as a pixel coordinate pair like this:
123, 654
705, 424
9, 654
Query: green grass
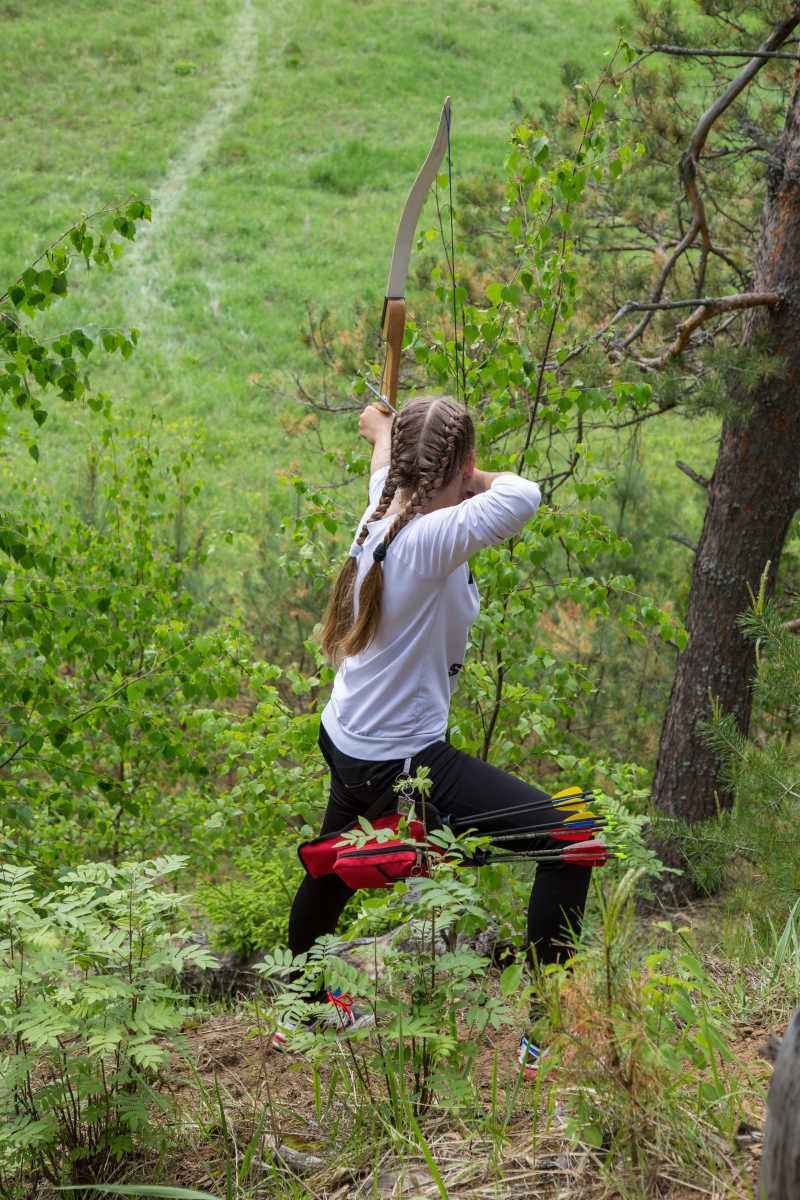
278, 142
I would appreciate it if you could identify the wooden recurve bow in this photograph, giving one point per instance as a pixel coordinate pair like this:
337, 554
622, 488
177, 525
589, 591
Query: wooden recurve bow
393, 320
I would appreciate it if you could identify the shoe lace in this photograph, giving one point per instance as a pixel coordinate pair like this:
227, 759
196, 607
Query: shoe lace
343, 1003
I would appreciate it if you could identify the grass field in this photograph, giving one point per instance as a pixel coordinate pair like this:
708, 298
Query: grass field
277, 142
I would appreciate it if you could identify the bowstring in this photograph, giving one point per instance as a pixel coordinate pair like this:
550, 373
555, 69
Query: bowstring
450, 259
460, 372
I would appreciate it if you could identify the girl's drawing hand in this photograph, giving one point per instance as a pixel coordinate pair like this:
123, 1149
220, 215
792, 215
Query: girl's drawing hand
375, 423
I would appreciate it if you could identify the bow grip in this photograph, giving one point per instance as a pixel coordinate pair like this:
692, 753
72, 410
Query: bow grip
393, 325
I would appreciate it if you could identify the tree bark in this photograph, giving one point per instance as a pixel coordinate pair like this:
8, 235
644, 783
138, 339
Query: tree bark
752, 496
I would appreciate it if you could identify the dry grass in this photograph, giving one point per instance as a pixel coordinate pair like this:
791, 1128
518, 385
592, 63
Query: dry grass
320, 1137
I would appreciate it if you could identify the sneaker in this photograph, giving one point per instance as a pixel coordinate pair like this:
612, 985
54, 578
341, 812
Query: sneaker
287, 1026
530, 1057
344, 1018
346, 1015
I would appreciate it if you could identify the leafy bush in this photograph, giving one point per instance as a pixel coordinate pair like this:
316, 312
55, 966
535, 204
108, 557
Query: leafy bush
104, 659
135, 720
249, 910
85, 1006
643, 1055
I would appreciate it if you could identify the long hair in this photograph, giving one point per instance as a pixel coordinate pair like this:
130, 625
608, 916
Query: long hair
432, 437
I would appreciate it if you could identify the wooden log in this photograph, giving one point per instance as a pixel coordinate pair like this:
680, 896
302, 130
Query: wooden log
780, 1160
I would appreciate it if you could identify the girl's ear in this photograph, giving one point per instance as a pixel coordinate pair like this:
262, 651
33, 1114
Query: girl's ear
469, 465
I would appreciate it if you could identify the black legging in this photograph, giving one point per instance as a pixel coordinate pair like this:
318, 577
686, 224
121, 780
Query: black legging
465, 789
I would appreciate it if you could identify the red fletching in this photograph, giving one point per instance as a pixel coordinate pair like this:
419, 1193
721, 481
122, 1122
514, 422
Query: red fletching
589, 853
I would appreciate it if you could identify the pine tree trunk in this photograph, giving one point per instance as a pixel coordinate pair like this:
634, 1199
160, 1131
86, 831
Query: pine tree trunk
752, 496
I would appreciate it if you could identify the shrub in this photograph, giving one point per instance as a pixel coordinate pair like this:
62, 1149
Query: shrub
644, 1056
85, 1005
428, 993
249, 910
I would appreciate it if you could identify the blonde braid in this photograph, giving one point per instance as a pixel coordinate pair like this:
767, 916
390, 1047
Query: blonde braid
414, 506
431, 439
386, 497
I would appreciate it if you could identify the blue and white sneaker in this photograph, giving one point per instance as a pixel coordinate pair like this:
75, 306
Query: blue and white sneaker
344, 1018
530, 1056
287, 1027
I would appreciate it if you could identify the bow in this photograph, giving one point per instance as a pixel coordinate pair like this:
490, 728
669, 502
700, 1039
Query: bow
393, 318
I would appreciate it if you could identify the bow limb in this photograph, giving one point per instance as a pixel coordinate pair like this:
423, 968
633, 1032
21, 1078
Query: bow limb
393, 320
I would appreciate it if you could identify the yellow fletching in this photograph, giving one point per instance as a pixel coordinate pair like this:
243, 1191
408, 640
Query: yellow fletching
584, 815
570, 793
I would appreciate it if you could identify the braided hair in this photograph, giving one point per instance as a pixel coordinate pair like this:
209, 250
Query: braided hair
432, 436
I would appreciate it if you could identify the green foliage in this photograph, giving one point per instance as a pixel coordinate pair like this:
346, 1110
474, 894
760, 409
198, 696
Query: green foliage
134, 716
105, 661
644, 1050
86, 1014
762, 768
704, 849
32, 366
428, 993
248, 909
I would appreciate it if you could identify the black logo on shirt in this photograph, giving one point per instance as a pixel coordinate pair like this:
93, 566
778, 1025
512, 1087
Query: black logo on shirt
454, 669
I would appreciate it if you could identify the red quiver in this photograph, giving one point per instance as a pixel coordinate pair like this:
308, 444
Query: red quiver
377, 863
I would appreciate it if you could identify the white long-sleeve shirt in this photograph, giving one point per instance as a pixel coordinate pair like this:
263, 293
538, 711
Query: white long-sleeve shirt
392, 699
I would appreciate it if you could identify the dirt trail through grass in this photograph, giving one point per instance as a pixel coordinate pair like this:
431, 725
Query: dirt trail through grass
150, 261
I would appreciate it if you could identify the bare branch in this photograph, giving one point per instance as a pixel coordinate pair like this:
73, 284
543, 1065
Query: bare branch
777, 37
689, 162
727, 19
693, 475
666, 271
678, 537
634, 306
701, 315
687, 51
661, 306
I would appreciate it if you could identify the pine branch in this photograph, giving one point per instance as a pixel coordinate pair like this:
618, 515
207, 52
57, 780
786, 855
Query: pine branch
776, 38
666, 271
707, 52
703, 313
688, 168
693, 475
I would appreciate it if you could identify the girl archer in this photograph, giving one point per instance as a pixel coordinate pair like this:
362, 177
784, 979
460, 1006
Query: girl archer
396, 628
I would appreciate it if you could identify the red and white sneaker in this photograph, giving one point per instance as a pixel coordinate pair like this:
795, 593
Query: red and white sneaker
344, 1018
346, 1015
